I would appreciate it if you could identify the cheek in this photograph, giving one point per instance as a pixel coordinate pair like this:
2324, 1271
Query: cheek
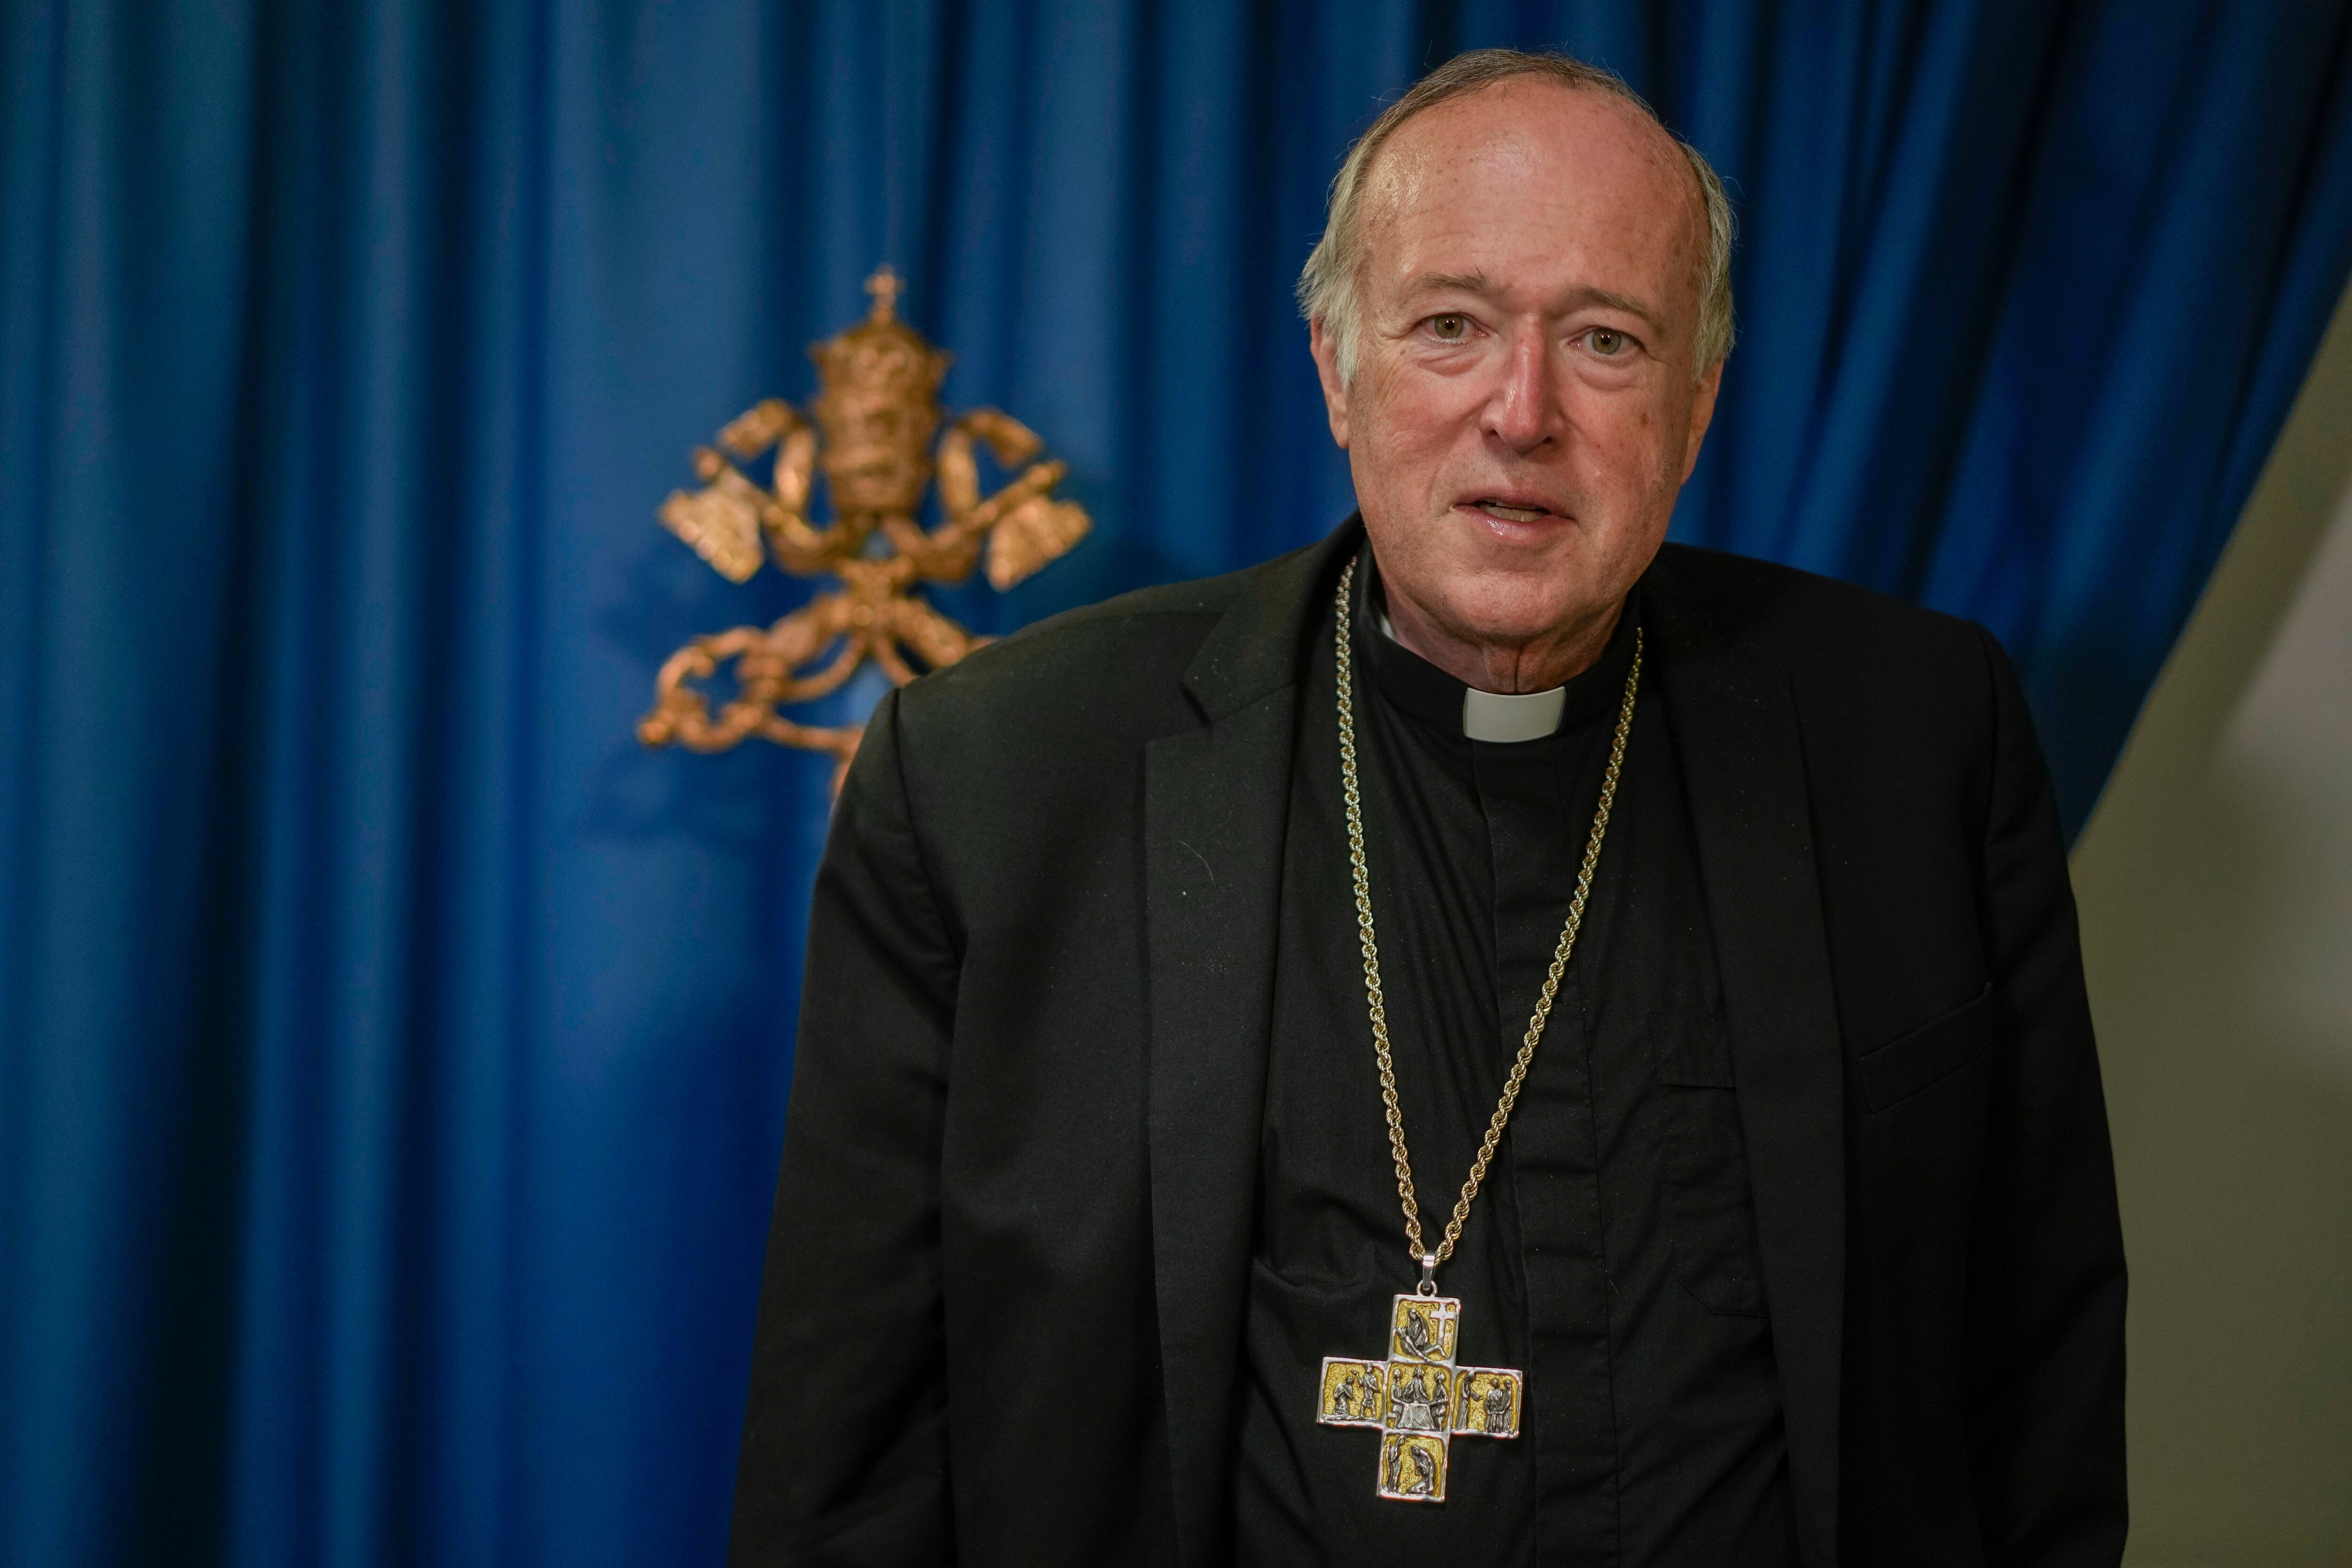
1418, 410
1631, 436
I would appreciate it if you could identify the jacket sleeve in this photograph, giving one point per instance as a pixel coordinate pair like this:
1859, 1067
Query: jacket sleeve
2046, 1295
845, 1440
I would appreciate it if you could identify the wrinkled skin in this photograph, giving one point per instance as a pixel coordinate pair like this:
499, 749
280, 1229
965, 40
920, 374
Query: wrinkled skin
1526, 402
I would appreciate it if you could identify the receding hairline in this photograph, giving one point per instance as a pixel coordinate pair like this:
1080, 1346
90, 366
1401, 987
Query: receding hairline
1617, 96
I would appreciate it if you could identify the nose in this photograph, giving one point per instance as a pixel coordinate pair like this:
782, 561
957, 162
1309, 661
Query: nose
1520, 414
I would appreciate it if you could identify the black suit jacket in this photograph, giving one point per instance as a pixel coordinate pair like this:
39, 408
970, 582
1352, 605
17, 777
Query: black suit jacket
1001, 1314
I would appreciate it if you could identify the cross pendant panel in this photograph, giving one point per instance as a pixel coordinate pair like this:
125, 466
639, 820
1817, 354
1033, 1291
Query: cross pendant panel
1419, 1398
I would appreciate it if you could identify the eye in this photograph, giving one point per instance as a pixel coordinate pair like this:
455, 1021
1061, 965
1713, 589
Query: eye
1607, 342
1449, 329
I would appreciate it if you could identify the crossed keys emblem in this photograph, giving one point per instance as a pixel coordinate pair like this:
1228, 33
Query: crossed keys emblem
1419, 1398
869, 431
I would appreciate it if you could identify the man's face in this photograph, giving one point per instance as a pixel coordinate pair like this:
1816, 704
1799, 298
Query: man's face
1523, 409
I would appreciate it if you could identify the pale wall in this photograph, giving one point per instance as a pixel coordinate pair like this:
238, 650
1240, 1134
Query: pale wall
2215, 881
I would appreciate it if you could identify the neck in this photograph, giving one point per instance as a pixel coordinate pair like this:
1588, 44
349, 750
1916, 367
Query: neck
1551, 659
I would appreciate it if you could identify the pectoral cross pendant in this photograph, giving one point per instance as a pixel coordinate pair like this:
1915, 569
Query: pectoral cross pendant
1420, 1399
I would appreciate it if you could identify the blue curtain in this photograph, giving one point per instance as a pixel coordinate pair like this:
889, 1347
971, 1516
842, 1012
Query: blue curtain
393, 1055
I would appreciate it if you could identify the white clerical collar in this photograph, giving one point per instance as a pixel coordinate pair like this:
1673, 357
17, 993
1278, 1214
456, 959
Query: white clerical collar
1493, 716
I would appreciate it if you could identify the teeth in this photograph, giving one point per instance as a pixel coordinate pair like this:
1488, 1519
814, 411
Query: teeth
1511, 513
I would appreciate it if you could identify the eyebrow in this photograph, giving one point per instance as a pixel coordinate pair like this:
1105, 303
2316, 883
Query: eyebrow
1479, 283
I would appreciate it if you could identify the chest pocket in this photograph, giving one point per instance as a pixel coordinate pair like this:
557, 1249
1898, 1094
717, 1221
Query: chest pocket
1715, 1253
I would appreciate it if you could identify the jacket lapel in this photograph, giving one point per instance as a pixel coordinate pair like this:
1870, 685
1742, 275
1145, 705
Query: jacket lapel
1216, 804
1735, 725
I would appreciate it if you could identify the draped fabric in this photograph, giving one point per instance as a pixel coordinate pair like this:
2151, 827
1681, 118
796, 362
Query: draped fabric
392, 1054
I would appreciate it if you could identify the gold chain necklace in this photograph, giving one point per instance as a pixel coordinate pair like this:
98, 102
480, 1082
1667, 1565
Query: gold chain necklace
1559, 958
1419, 1396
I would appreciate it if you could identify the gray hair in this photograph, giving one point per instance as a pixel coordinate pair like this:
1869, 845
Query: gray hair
1326, 285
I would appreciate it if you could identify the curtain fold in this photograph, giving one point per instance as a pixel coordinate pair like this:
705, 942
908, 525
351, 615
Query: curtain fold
392, 1054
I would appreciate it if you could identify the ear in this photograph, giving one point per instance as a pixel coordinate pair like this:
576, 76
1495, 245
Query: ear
1325, 346
1702, 414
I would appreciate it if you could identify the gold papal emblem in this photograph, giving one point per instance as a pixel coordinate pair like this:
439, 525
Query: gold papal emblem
870, 426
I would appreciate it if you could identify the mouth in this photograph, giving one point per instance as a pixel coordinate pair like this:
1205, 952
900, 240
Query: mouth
1509, 507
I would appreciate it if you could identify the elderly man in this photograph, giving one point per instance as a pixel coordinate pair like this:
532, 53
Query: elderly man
1642, 979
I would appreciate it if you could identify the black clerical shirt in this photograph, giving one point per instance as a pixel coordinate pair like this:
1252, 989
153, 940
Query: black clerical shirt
1612, 1255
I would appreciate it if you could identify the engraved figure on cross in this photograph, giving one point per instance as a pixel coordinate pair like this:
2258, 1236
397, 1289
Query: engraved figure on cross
1350, 1394
1420, 1398
1415, 1335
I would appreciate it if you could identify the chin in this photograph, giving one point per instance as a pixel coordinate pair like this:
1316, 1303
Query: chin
1510, 612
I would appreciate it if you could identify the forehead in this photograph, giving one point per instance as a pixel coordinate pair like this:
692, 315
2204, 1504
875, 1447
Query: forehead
1532, 181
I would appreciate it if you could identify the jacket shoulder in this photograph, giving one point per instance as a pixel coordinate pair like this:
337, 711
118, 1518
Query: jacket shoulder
1807, 623
1110, 673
